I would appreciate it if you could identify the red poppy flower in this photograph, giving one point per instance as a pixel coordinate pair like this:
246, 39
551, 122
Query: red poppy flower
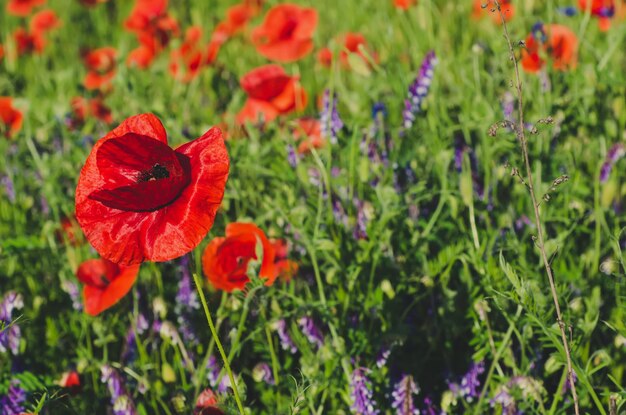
309, 132
70, 231
100, 64
206, 404
186, 61
271, 92
558, 42
137, 199
285, 268
152, 24
70, 380
352, 43
507, 8
105, 283
1, 52
286, 34
141, 57
604, 10
83, 108
404, 4
23, 7
44, 21
10, 117
225, 259
25, 42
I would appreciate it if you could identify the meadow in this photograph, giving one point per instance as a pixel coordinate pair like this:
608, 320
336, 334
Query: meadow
317, 207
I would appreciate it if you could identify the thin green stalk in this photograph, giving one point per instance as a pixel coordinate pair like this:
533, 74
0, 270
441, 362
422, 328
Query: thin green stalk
207, 313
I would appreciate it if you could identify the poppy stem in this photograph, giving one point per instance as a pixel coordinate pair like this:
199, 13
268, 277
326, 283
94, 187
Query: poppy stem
207, 313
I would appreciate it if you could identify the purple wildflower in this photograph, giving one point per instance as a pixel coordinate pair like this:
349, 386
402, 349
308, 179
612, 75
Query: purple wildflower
285, 339
9, 189
360, 229
330, 121
10, 333
292, 157
616, 152
418, 90
567, 385
213, 376
379, 113
72, 289
263, 373
186, 297
120, 399
310, 331
470, 384
12, 403
506, 401
430, 407
508, 106
403, 396
361, 393
568, 11
383, 356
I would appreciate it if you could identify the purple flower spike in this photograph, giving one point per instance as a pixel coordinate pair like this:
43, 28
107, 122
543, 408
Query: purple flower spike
310, 331
330, 121
10, 336
361, 393
403, 394
292, 157
614, 154
418, 90
9, 189
12, 403
285, 339
470, 383
120, 399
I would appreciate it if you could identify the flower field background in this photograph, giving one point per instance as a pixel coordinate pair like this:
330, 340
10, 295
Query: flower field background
359, 219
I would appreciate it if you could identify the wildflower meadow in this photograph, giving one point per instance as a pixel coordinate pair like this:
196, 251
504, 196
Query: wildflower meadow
268, 207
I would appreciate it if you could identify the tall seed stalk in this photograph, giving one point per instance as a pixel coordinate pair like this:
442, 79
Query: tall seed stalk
521, 136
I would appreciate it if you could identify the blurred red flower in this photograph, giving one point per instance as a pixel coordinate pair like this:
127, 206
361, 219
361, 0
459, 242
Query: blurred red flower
309, 132
490, 7
352, 43
141, 57
557, 41
101, 68
83, 108
154, 28
70, 231
23, 7
604, 10
285, 268
1, 52
70, 380
286, 34
206, 404
25, 42
137, 199
404, 4
10, 117
105, 283
225, 259
186, 61
44, 21
271, 92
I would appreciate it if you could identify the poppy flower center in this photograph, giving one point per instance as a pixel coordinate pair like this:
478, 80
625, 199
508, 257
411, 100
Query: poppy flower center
155, 173
288, 28
140, 174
